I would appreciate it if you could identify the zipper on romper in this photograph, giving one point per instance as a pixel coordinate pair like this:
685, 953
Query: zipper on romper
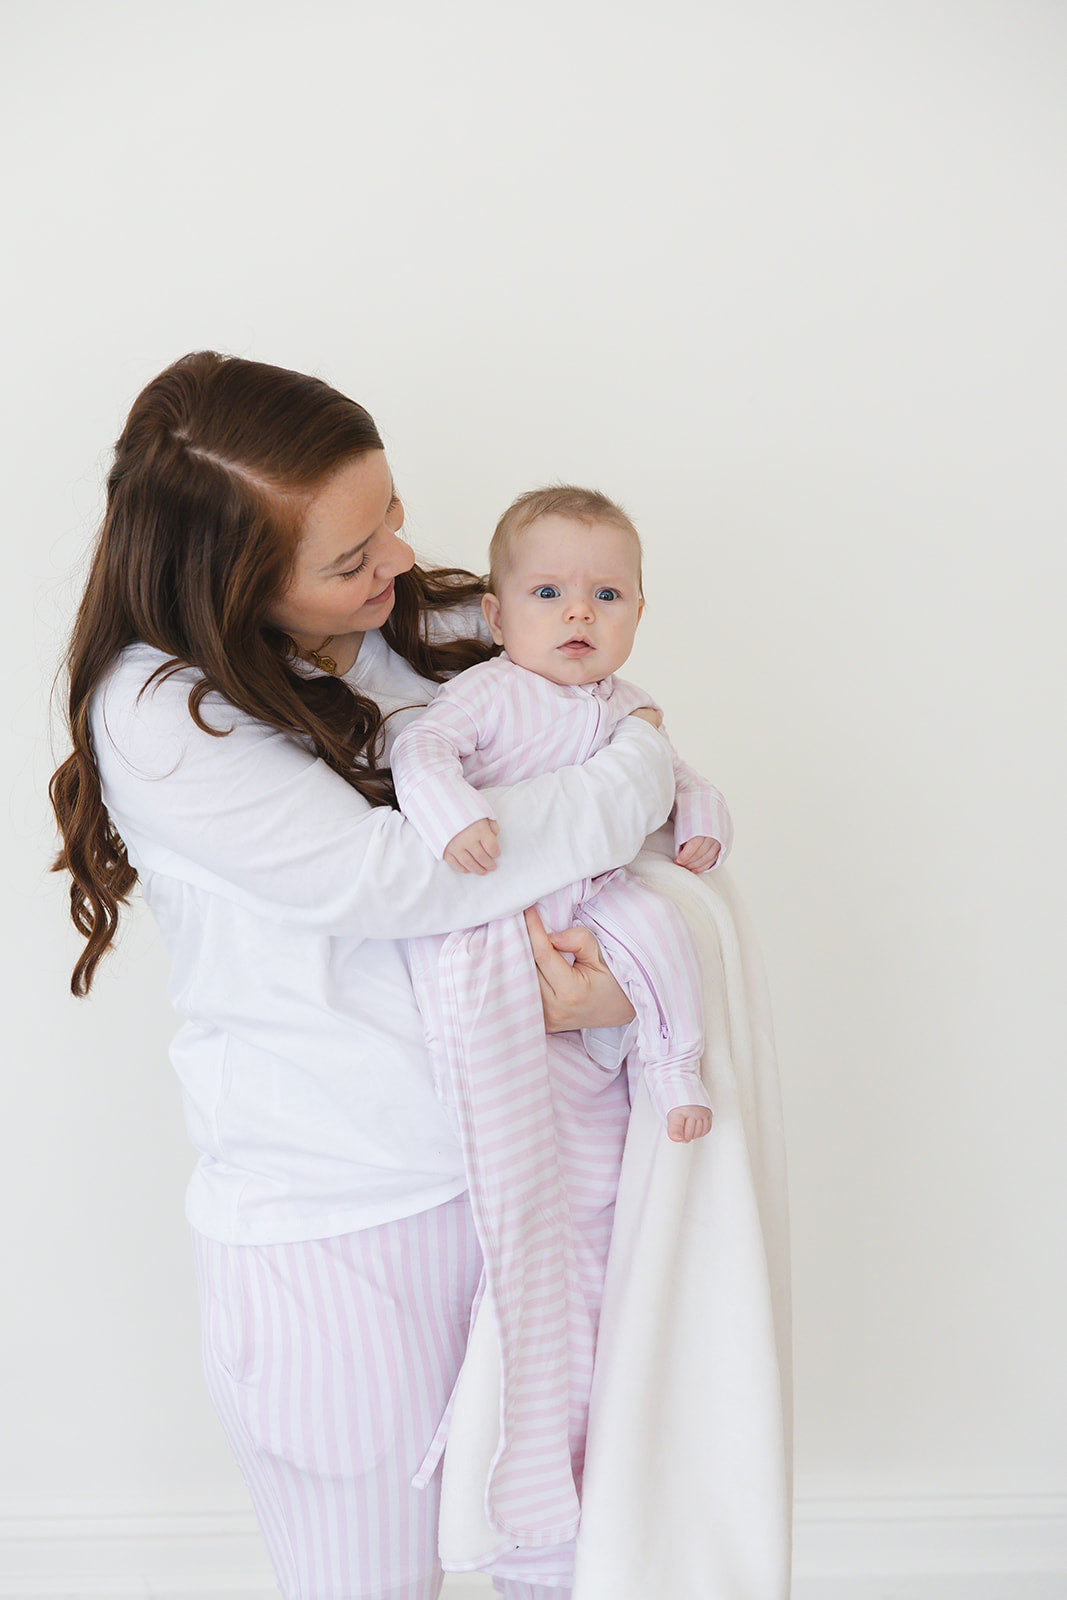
627, 945
598, 717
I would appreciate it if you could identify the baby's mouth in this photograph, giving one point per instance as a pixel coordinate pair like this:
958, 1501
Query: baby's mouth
576, 647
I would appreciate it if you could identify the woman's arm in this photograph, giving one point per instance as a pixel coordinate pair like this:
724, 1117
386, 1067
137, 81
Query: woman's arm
253, 817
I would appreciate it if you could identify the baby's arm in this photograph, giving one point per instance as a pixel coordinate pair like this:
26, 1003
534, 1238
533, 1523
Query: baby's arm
427, 765
703, 831
702, 828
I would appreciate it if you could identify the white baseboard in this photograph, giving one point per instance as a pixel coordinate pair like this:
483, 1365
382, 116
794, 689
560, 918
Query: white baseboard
965, 1548
153, 1549
978, 1547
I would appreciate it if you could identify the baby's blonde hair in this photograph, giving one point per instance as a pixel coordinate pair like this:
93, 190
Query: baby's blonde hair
559, 500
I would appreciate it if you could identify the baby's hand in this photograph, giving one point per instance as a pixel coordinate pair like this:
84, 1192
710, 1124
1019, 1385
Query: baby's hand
699, 854
688, 1122
649, 714
474, 848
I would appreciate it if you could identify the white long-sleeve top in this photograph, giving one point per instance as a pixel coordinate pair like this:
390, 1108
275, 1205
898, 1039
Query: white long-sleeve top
284, 899
498, 723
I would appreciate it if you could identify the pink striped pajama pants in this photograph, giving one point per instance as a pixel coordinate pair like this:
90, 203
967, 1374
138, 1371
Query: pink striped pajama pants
330, 1363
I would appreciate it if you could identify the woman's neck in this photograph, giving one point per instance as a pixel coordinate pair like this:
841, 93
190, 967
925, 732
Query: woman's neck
336, 654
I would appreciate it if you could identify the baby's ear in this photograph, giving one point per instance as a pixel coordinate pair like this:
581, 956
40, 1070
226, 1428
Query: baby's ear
491, 613
640, 608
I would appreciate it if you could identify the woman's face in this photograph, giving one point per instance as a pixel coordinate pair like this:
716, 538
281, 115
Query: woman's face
348, 555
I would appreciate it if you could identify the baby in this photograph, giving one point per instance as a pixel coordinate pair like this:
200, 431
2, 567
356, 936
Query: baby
564, 601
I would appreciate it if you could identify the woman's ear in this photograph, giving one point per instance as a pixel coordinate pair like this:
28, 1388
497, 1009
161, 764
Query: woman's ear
491, 613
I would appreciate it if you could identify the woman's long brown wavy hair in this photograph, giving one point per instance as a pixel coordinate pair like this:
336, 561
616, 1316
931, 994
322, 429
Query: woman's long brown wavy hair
217, 461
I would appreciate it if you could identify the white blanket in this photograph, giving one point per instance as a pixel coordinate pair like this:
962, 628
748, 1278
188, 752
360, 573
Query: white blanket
687, 1489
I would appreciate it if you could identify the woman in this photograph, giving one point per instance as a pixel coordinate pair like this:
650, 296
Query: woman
251, 618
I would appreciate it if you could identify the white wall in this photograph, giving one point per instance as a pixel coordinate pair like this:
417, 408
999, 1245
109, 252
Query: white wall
788, 281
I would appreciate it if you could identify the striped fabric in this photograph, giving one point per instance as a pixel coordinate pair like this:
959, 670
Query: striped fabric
527, 1165
542, 1146
329, 1363
542, 1128
497, 723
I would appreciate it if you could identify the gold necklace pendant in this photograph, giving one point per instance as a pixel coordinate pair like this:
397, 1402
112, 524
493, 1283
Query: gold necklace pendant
324, 663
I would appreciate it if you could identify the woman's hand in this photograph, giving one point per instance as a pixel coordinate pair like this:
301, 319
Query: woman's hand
584, 995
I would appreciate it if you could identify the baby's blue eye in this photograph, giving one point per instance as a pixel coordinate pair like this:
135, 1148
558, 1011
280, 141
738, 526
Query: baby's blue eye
547, 591
607, 594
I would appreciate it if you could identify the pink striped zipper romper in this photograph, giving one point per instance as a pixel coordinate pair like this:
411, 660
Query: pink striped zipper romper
541, 1123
